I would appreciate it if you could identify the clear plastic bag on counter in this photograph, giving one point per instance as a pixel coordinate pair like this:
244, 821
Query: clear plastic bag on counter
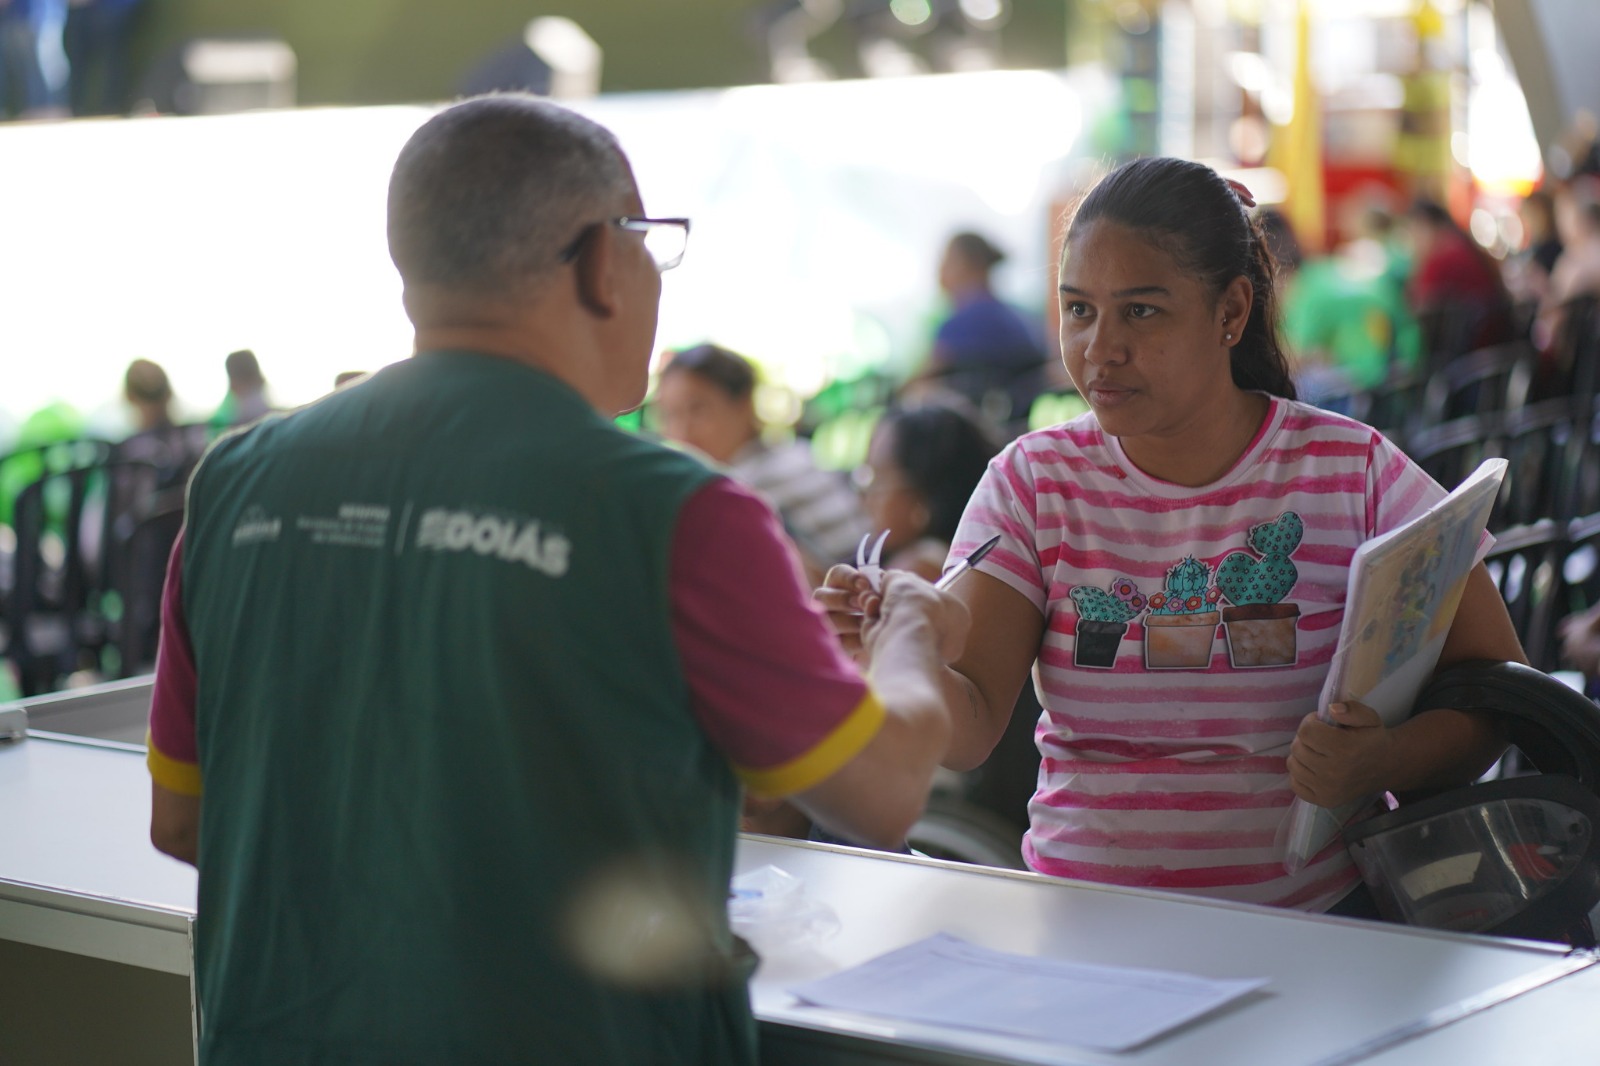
770, 909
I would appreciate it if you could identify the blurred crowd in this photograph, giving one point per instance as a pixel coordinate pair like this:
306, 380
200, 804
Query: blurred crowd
90, 504
1412, 288
61, 57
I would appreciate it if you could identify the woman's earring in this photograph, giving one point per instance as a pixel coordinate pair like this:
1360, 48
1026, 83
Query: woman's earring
1227, 336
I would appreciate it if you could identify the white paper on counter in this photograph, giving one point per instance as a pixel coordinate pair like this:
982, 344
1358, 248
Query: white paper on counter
946, 981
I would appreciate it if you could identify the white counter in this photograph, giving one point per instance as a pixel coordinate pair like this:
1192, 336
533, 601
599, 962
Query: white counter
77, 870
78, 876
1336, 986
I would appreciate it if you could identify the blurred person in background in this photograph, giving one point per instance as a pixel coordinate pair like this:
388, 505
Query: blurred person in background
96, 39
1344, 315
1580, 647
157, 438
1575, 276
146, 507
246, 400
705, 398
1455, 278
149, 395
23, 90
922, 464
985, 349
1576, 271
1527, 273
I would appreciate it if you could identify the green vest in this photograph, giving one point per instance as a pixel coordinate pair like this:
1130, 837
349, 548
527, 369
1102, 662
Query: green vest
457, 809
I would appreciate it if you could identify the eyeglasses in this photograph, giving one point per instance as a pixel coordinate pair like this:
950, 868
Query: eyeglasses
664, 238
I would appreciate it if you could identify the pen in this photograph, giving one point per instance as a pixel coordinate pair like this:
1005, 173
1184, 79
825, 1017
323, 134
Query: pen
954, 573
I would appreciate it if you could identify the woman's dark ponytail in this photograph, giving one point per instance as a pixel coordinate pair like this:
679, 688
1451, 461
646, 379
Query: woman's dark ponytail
1259, 361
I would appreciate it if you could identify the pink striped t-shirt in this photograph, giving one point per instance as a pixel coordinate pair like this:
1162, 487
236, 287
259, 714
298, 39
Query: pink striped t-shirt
1187, 633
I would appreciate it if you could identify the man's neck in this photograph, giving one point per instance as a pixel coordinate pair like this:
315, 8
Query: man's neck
525, 327
487, 339
531, 350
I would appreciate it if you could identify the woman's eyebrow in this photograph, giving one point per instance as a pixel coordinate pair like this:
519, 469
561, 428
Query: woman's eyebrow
1138, 290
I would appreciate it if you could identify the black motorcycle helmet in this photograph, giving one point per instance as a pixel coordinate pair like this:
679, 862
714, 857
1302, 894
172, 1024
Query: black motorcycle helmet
1513, 857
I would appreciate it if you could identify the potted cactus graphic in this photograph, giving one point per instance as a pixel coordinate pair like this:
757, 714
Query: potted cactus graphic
1260, 629
1103, 618
1182, 623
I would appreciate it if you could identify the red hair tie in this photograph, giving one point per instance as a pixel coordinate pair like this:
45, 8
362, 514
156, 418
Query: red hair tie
1241, 192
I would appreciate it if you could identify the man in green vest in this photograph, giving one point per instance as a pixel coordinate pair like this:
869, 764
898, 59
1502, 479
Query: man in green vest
460, 685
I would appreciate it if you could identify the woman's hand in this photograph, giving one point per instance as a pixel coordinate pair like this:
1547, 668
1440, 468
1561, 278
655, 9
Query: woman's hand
1349, 758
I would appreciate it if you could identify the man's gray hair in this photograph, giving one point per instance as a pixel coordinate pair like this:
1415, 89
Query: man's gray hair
488, 193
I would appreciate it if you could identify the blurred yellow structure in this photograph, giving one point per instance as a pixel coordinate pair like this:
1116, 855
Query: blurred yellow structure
1297, 147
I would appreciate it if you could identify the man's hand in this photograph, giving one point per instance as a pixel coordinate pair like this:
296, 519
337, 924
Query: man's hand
847, 597
774, 817
909, 601
1349, 758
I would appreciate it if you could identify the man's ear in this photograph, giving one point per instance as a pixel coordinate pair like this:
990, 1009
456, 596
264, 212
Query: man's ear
595, 272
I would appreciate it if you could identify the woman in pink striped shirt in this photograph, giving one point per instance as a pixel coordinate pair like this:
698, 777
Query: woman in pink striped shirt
1172, 569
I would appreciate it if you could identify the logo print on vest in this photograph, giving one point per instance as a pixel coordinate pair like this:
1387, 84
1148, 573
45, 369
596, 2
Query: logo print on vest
255, 526
441, 529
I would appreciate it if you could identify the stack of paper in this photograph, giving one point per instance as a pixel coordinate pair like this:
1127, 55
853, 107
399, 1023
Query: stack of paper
945, 981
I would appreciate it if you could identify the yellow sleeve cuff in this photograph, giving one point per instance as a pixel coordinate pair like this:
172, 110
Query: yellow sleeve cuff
174, 775
825, 757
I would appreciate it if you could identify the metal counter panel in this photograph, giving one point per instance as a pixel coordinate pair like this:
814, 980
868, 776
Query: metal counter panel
1336, 984
77, 870
78, 874
1552, 1026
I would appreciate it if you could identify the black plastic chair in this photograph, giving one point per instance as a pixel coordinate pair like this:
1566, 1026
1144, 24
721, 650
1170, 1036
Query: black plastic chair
1570, 366
1542, 445
1450, 330
173, 450
1391, 407
1526, 564
1580, 567
135, 575
23, 467
69, 529
1489, 379
1581, 486
1451, 450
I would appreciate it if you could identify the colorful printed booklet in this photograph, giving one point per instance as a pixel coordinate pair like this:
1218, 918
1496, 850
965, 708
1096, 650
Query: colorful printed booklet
1402, 597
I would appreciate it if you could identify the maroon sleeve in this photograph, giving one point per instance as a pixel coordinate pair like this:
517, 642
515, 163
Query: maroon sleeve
173, 757
768, 680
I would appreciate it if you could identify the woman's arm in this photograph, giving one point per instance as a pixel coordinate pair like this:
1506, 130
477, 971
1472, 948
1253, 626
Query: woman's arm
1354, 756
981, 687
